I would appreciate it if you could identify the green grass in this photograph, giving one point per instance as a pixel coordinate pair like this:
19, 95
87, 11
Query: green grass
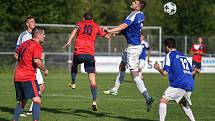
60, 103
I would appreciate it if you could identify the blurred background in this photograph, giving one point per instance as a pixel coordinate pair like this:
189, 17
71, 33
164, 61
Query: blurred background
192, 19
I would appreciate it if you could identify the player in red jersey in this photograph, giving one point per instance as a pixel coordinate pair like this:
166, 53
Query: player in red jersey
29, 57
86, 31
197, 49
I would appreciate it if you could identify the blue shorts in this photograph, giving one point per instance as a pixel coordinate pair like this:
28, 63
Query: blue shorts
196, 65
27, 90
87, 59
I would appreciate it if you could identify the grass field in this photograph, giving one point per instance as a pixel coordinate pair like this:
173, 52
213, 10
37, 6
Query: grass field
60, 103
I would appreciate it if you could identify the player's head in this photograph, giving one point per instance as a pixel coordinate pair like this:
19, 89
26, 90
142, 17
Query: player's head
38, 33
88, 16
138, 5
200, 39
30, 23
169, 44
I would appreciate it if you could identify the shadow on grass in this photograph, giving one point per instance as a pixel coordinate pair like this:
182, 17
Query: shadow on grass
7, 109
3, 119
82, 113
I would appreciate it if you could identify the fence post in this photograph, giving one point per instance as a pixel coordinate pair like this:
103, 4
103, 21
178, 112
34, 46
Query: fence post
185, 44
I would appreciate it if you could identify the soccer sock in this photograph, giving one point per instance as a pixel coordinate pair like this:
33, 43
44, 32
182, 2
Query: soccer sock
140, 84
188, 112
36, 112
93, 91
73, 78
17, 112
162, 111
146, 95
30, 109
119, 80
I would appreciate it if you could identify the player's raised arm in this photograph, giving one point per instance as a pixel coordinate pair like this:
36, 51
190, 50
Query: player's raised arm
70, 38
157, 67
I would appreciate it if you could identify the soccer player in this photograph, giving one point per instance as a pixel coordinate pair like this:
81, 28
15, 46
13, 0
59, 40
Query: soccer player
131, 28
86, 31
122, 66
29, 57
197, 49
24, 36
179, 71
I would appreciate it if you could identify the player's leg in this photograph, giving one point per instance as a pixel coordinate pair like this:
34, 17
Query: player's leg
20, 101
35, 94
196, 67
141, 66
163, 108
74, 71
133, 53
41, 83
89, 65
186, 108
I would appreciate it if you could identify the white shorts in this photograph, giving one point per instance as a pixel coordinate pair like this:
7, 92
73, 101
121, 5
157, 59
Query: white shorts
142, 63
133, 54
39, 76
177, 94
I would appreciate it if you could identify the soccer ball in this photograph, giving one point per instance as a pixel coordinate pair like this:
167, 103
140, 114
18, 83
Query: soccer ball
170, 8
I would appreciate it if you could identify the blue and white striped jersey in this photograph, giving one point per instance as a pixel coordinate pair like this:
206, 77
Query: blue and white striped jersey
23, 37
179, 70
146, 47
133, 32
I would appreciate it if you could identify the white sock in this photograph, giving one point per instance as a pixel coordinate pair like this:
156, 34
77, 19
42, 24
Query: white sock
140, 84
119, 80
30, 109
188, 112
162, 111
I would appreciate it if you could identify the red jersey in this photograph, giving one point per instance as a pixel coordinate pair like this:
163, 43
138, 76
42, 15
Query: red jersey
199, 48
86, 37
26, 68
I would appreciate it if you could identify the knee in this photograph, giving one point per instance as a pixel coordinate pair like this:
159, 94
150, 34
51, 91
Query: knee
42, 88
163, 100
37, 100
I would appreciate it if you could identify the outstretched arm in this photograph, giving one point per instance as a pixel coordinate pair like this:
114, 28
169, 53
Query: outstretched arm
117, 28
70, 38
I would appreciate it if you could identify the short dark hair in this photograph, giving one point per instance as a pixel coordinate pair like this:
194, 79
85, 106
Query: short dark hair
28, 17
37, 30
88, 16
142, 3
170, 42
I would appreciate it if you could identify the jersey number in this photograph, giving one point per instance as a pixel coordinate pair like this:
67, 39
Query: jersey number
88, 29
184, 63
20, 56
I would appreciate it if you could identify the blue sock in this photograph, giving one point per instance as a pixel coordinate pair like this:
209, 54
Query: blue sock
73, 77
93, 91
17, 112
36, 112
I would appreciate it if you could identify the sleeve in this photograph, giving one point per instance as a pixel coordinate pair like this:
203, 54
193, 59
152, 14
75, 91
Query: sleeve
19, 41
130, 19
101, 32
147, 46
78, 25
192, 48
167, 63
37, 52
204, 48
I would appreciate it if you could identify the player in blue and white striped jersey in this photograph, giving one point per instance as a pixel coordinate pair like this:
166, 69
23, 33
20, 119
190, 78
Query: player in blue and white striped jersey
179, 72
131, 28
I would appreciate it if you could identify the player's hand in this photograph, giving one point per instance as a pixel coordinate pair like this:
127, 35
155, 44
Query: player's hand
66, 46
156, 65
46, 71
106, 29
